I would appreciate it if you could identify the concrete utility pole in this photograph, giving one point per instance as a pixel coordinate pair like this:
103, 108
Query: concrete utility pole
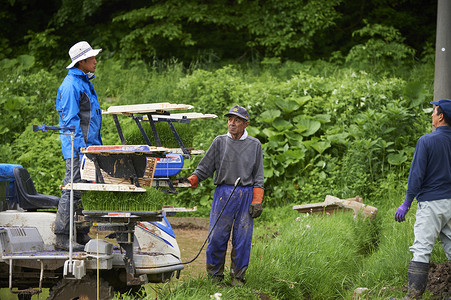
442, 76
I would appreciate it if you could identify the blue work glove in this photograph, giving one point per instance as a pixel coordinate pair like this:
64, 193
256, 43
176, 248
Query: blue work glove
400, 213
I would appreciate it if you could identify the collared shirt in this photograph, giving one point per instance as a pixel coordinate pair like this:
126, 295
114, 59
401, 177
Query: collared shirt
430, 172
243, 137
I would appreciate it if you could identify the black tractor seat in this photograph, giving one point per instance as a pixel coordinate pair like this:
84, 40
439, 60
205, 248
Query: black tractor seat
29, 198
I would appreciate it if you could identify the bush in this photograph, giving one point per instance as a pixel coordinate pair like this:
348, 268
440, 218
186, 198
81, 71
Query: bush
324, 129
40, 153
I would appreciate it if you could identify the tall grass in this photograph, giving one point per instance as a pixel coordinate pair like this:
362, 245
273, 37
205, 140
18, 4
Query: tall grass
311, 257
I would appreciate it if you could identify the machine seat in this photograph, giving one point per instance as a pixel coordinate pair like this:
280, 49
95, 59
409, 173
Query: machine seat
29, 198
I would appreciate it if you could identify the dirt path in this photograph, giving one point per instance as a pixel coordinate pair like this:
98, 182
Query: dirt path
191, 233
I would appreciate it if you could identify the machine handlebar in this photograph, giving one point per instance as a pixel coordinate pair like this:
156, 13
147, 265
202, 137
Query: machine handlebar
45, 128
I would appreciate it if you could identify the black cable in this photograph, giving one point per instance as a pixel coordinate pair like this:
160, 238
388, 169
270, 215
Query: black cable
214, 225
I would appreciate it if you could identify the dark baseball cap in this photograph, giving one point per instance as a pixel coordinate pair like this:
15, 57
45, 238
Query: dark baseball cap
445, 105
238, 111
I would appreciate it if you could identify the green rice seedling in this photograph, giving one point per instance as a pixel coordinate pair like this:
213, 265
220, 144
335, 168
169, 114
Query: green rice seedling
151, 200
134, 137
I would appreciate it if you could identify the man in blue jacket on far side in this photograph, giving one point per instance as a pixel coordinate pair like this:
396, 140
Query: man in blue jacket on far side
430, 183
78, 106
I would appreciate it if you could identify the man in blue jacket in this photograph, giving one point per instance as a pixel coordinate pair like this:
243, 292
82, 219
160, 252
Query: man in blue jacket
78, 106
430, 183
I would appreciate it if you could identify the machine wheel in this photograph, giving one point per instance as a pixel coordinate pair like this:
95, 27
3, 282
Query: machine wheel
117, 278
24, 296
85, 288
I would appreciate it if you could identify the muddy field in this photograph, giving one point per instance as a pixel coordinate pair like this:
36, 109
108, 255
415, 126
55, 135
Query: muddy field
191, 233
439, 280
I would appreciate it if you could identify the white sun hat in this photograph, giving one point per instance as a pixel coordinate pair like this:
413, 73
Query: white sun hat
80, 51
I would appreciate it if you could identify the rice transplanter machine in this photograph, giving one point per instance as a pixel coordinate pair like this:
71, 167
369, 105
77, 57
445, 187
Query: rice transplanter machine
138, 246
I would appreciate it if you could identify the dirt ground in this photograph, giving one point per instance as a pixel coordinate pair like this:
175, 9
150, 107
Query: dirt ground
191, 233
439, 280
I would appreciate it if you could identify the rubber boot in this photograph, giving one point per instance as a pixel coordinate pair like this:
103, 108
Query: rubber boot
62, 243
237, 276
238, 281
418, 278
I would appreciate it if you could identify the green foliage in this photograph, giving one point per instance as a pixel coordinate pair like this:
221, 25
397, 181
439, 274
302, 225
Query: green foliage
273, 25
40, 153
75, 11
324, 130
24, 96
213, 31
367, 234
42, 45
137, 82
383, 50
198, 288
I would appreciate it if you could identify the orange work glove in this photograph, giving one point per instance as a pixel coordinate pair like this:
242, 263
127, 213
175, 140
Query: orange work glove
256, 208
194, 181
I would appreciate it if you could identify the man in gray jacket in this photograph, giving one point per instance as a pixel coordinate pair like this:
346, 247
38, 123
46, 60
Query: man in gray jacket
232, 155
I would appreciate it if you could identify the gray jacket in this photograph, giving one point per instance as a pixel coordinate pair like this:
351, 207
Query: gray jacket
230, 159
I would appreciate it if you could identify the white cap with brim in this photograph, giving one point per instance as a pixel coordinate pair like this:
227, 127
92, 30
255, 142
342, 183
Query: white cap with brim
80, 51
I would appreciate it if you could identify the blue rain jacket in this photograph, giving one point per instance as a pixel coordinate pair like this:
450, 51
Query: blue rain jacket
430, 172
77, 105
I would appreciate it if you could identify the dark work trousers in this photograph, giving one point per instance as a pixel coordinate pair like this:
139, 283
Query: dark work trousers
235, 219
63, 213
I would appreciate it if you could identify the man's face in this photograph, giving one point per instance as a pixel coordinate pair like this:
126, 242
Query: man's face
88, 65
236, 125
435, 117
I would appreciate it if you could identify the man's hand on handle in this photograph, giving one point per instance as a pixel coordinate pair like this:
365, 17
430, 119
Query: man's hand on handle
256, 208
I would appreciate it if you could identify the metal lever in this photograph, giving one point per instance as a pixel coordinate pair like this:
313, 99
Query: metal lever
45, 128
